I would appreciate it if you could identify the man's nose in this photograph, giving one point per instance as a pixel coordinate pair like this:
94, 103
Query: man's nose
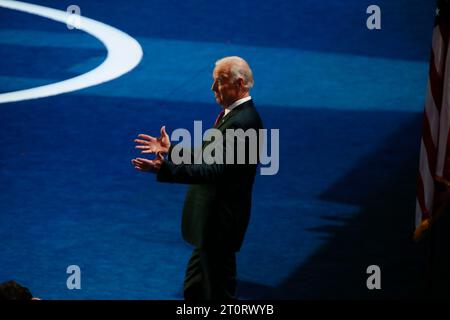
213, 87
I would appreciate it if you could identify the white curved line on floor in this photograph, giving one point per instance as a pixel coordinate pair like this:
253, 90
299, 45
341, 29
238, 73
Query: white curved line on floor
124, 53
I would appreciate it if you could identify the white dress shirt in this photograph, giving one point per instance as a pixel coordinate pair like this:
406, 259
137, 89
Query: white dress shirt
236, 103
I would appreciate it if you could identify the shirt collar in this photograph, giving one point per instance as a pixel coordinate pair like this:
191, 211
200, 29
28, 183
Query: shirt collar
237, 103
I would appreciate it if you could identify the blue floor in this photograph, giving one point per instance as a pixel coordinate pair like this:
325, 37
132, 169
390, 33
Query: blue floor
348, 103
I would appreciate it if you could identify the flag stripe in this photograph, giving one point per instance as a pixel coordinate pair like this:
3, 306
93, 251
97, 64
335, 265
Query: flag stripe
437, 50
429, 146
434, 160
428, 181
420, 199
419, 216
432, 114
435, 83
442, 163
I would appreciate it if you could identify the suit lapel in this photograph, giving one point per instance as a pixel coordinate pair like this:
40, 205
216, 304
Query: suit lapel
226, 118
232, 113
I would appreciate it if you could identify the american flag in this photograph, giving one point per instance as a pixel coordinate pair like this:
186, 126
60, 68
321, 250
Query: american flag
433, 183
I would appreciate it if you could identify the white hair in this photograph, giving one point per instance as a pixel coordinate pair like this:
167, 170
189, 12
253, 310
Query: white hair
239, 68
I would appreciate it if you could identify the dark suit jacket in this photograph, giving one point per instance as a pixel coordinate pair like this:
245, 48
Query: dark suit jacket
218, 202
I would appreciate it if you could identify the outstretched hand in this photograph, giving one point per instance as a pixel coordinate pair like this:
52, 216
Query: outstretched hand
149, 144
146, 165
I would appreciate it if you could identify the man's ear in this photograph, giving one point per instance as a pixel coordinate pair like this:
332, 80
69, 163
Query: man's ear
241, 82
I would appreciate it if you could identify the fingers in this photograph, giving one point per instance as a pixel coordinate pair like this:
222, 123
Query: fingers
141, 141
141, 162
145, 146
145, 161
140, 165
146, 149
148, 142
147, 137
146, 165
135, 163
165, 140
163, 131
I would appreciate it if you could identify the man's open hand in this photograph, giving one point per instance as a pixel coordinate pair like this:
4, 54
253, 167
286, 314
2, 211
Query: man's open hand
149, 144
146, 165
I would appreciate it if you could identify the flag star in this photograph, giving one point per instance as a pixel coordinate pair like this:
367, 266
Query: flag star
437, 11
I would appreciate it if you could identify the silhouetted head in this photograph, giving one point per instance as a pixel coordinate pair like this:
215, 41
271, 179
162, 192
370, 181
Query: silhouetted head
11, 290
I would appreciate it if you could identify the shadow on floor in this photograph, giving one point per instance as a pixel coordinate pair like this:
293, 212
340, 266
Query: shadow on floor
383, 185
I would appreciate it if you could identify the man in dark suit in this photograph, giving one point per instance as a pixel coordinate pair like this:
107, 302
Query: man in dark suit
217, 207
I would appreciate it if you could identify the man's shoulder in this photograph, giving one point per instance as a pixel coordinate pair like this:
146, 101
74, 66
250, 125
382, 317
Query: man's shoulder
244, 116
248, 117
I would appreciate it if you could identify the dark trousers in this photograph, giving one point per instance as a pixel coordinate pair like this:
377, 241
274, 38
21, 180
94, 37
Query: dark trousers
210, 275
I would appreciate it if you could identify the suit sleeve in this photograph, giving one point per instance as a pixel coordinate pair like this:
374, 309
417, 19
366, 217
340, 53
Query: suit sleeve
190, 153
190, 173
195, 173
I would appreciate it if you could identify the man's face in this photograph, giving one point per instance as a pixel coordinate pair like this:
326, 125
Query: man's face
225, 90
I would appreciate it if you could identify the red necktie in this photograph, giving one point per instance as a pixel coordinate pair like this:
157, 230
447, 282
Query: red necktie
219, 117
